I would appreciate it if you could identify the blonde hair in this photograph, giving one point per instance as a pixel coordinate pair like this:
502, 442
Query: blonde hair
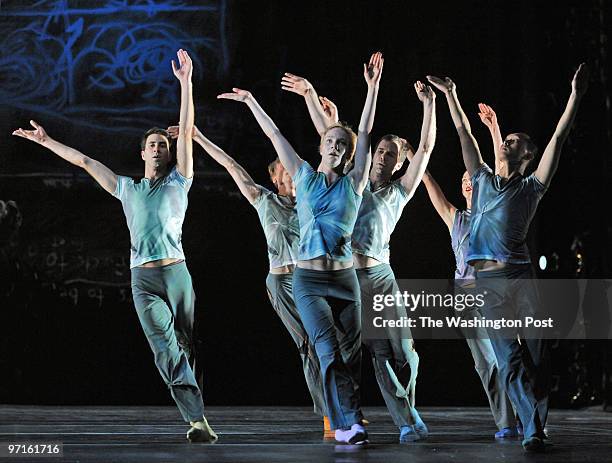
352, 142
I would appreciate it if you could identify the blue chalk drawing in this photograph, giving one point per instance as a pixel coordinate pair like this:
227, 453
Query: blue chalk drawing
106, 67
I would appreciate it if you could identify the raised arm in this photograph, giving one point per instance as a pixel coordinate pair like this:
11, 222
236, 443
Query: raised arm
249, 189
550, 158
322, 111
100, 173
413, 175
469, 146
489, 118
363, 155
443, 207
287, 155
184, 143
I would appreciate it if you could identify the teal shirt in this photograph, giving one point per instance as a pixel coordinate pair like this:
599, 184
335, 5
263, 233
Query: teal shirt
154, 212
279, 221
379, 213
326, 214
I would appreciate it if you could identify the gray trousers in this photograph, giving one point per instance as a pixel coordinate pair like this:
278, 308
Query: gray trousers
280, 292
524, 366
395, 361
485, 363
164, 301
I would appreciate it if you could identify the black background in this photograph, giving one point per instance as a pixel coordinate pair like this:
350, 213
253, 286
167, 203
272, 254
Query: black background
87, 348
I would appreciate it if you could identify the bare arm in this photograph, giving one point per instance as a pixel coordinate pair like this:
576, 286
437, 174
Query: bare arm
469, 147
550, 158
184, 144
287, 155
322, 111
100, 173
363, 155
489, 118
413, 175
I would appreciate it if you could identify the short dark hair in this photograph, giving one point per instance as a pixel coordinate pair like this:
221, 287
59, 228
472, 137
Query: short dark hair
530, 146
152, 131
272, 169
404, 145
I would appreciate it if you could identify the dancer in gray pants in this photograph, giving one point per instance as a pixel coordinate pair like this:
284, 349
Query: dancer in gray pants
458, 223
280, 224
505, 200
155, 208
394, 359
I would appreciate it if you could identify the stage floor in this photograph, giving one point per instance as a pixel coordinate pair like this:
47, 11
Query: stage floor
289, 434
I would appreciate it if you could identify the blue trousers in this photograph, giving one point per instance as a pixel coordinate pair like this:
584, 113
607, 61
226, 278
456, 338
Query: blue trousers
395, 361
164, 301
524, 366
280, 292
330, 308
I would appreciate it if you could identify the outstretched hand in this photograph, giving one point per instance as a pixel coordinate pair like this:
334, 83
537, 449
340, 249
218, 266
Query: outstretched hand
38, 135
373, 71
295, 84
185, 69
487, 115
424, 92
329, 108
237, 94
445, 85
580, 82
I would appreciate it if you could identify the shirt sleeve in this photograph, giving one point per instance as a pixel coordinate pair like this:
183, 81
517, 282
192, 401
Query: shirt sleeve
122, 184
261, 198
303, 171
483, 171
534, 185
175, 176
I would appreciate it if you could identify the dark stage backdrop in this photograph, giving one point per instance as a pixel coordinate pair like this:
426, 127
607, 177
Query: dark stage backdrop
97, 74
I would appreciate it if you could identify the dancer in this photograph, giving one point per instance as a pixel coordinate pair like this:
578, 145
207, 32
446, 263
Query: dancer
395, 361
279, 221
458, 223
155, 209
325, 286
504, 203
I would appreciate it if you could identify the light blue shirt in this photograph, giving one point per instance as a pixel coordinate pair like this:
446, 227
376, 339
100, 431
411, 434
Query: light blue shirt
154, 211
378, 215
279, 220
326, 214
501, 215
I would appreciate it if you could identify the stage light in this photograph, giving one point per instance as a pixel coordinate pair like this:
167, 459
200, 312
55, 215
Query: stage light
543, 262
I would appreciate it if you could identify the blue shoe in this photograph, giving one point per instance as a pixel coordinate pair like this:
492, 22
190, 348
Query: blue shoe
408, 434
506, 433
419, 425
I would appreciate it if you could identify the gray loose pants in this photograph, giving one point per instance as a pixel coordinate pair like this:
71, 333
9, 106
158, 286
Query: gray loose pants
164, 301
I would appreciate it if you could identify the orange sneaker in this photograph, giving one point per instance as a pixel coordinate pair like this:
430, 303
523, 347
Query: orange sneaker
328, 433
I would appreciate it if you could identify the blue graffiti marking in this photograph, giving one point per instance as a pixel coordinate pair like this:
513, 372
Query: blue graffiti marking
67, 60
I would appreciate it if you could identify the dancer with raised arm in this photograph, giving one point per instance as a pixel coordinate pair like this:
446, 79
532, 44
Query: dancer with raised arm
155, 209
325, 285
458, 224
394, 359
504, 202
279, 221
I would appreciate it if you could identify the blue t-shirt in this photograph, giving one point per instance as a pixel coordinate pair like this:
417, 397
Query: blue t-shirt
154, 211
379, 213
279, 221
326, 214
501, 215
460, 241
